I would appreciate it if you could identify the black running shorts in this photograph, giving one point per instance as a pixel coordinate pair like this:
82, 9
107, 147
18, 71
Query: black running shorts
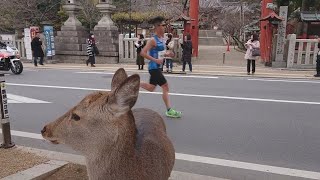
156, 77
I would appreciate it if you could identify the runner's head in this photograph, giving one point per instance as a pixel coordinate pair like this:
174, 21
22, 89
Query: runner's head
159, 25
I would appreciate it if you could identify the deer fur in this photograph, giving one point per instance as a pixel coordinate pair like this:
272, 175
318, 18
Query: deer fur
117, 142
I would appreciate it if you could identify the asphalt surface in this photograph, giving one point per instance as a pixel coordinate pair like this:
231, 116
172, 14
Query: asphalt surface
265, 122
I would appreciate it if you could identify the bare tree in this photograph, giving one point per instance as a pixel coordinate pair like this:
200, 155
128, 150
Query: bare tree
23, 13
89, 15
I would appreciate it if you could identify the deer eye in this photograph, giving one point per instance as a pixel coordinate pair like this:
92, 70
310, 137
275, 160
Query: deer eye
75, 117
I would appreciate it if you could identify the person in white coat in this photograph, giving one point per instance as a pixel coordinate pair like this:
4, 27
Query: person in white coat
252, 45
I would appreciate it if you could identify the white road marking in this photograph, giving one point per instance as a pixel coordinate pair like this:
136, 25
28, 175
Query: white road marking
178, 94
21, 99
94, 72
11, 101
190, 76
25, 134
282, 80
216, 161
167, 75
250, 166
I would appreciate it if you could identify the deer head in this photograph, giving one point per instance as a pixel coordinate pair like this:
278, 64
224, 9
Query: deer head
96, 120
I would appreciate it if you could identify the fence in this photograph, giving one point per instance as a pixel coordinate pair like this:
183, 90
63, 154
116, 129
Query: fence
127, 50
302, 53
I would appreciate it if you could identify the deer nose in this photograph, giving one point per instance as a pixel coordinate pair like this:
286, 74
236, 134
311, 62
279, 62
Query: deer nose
44, 130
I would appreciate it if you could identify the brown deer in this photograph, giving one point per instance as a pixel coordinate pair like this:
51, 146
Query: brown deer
117, 142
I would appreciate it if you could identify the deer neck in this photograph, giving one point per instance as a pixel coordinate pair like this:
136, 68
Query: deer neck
110, 162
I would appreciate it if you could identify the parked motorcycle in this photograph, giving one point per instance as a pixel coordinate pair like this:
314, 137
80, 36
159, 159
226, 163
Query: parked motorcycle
10, 59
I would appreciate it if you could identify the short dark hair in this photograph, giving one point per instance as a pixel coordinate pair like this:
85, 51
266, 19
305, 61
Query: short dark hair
141, 36
156, 20
188, 37
255, 37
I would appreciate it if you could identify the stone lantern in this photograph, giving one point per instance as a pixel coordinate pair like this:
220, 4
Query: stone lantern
72, 7
71, 40
106, 34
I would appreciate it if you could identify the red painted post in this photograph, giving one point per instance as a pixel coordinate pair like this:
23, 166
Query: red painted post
265, 33
194, 31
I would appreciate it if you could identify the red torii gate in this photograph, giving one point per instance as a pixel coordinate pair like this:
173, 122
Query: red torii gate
194, 29
265, 34
191, 26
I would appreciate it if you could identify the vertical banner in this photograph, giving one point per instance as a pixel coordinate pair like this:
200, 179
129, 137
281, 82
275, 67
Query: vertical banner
48, 33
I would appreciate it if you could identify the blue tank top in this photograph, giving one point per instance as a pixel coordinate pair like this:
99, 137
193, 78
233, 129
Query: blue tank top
154, 52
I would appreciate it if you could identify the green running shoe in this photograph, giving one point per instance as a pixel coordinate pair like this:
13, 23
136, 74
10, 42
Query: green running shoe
173, 113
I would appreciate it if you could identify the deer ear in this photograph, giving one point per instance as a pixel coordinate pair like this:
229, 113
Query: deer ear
126, 95
118, 78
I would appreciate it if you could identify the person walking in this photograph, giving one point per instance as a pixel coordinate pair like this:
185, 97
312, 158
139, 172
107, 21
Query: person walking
140, 45
91, 50
253, 51
37, 51
187, 53
156, 48
318, 61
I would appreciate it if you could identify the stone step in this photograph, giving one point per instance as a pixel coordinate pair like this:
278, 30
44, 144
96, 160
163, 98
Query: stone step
83, 34
70, 40
70, 47
218, 41
210, 33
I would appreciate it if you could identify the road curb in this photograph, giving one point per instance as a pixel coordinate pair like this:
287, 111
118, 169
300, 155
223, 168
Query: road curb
213, 73
38, 172
78, 159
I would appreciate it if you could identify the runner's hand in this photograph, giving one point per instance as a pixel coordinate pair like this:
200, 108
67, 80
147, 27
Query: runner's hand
159, 61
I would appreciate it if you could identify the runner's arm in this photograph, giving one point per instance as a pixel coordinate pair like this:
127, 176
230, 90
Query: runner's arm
144, 53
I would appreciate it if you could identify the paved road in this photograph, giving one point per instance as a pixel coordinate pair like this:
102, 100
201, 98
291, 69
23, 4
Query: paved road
259, 121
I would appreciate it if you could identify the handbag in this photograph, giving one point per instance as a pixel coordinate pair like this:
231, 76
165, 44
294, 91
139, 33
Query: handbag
170, 53
95, 50
256, 52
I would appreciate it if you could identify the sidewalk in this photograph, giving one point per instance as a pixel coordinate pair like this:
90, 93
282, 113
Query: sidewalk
205, 70
28, 163
210, 63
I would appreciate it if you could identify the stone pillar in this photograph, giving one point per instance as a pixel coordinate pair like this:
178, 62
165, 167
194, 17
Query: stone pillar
291, 50
280, 62
71, 40
106, 34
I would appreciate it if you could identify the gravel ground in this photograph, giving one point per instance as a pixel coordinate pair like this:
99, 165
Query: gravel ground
70, 172
14, 160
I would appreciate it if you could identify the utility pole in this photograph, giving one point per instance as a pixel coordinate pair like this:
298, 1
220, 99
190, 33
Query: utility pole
130, 21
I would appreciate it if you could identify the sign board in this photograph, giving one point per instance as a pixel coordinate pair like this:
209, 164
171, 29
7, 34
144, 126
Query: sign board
29, 34
33, 30
281, 37
48, 33
4, 101
27, 43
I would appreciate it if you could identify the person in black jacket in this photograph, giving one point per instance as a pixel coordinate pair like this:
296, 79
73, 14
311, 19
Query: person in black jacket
187, 53
318, 61
36, 47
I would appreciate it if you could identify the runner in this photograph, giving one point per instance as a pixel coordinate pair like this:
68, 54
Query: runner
156, 48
